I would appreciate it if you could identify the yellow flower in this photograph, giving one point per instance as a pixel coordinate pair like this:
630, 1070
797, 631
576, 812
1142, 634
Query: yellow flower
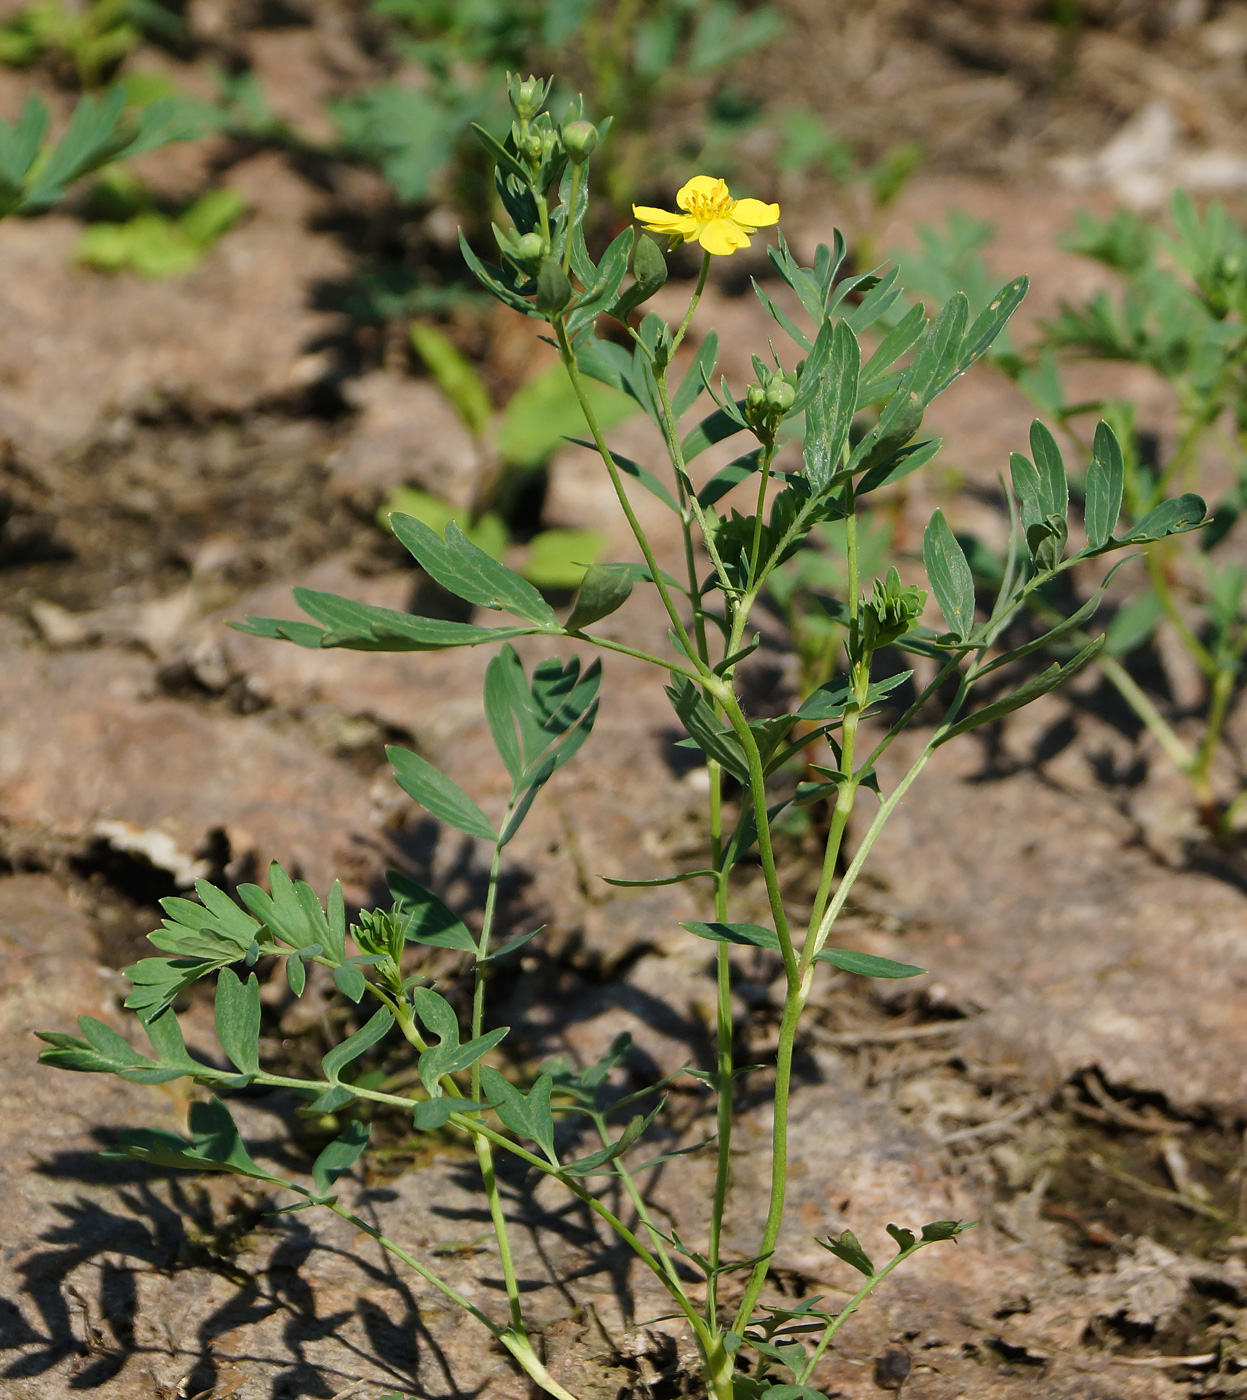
718, 222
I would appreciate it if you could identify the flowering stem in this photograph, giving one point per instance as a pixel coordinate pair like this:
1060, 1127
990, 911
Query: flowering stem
692, 306
573, 371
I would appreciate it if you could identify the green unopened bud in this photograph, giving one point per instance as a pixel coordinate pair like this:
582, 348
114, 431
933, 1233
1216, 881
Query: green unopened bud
527, 95
649, 267
554, 291
529, 247
780, 396
580, 140
755, 396
530, 146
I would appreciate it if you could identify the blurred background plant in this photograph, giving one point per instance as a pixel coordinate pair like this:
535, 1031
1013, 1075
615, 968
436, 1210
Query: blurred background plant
85, 43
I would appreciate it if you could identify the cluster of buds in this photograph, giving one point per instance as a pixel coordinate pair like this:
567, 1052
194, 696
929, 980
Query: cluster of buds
536, 153
768, 401
382, 934
888, 614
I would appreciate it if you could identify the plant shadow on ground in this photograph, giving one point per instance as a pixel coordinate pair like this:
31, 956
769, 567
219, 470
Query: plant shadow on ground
159, 1224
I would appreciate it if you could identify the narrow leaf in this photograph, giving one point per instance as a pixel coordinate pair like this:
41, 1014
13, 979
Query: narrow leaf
426, 919
950, 576
1171, 517
748, 935
1050, 467
605, 588
1105, 479
355, 1045
867, 964
1032, 690
468, 572
438, 795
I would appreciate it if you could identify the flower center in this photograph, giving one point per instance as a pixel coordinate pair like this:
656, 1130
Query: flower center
711, 206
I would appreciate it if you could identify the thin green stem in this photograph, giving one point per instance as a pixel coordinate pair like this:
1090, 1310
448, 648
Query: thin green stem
484, 1152
757, 793
638, 1202
1156, 573
815, 945
515, 1342
848, 1310
573, 370
1218, 709
689, 494
692, 306
599, 1208
413, 1263
1155, 723
794, 1005
608, 645
768, 456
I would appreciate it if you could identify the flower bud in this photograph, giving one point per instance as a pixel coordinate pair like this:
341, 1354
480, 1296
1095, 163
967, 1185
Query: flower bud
780, 396
755, 396
526, 96
529, 247
530, 146
580, 140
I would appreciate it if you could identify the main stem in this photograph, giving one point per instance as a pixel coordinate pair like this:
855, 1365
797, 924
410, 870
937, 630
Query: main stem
484, 1151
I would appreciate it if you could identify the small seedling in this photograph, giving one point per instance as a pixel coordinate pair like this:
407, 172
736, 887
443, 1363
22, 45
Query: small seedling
155, 245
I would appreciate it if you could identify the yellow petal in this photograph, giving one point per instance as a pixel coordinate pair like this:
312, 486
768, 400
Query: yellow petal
702, 187
722, 236
753, 214
660, 220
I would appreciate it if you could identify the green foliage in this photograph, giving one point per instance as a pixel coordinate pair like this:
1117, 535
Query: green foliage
92, 38
1180, 311
861, 424
35, 174
157, 246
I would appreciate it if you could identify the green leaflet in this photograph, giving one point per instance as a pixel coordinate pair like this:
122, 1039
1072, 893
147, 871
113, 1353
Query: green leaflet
706, 731
340, 1156
830, 411
372, 1031
438, 795
605, 588
1172, 517
867, 964
469, 573
847, 1248
238, 1019
214, 1145
527, 1115
748, 935
830, 701
1105, 482
1039, 685
425, 918
950, 576
1050, 472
